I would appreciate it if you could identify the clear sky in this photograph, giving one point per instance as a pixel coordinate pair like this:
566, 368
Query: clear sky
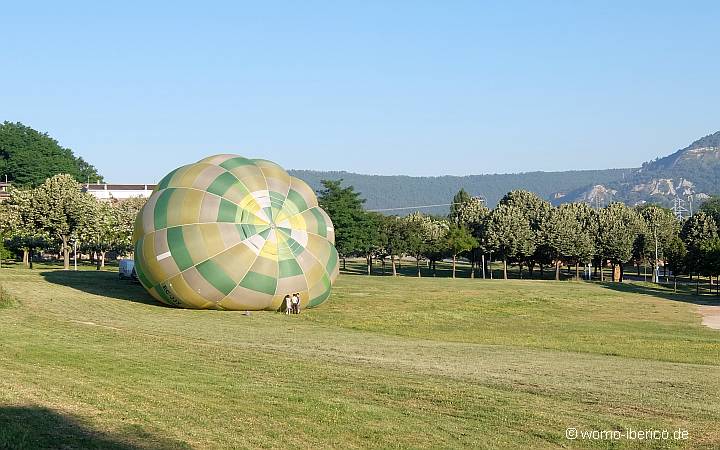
387, 87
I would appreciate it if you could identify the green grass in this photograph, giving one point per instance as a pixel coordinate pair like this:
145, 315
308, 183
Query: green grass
87, 361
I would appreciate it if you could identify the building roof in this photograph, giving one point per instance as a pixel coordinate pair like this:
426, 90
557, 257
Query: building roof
117, 187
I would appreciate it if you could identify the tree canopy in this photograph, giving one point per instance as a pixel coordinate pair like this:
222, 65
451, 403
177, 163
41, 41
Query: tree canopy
28, 157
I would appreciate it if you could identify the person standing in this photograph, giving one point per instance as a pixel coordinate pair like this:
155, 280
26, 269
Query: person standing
296, 303
288, 306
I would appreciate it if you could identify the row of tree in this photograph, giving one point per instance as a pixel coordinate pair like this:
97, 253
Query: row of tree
57, 216
522, 229
526, 230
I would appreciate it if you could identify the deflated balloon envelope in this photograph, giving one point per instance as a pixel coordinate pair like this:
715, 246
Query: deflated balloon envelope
234, 233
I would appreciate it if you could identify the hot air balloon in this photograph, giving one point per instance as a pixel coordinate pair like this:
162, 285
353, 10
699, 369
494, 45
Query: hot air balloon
234, 233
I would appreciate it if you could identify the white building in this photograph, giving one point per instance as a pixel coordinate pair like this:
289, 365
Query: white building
109, 192
4, 194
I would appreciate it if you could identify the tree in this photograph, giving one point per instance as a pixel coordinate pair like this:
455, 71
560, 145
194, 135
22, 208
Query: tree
62, 210
28, 157
697, 228
618, 228
4, 252
659, 230
394, 229
436, 244
370, 238
344, 206
127, 211
584, 248
535, 210
676, 256
20, 226
416, 229
459, 239
711, 259
509, 234
567, 235
99, 230
470, 212
458, 203
711, 207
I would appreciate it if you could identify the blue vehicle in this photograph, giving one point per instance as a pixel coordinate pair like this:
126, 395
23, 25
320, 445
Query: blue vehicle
127, 270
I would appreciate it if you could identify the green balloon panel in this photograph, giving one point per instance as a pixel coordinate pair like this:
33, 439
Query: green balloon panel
234, 233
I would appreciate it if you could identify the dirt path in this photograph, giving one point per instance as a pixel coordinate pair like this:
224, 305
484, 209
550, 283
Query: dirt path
710, 315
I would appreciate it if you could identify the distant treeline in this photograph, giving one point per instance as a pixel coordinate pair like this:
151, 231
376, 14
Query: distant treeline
526, 230
399, 191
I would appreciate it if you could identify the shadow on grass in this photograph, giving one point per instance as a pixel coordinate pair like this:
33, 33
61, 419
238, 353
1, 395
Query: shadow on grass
685, 294
102, 283
34, 427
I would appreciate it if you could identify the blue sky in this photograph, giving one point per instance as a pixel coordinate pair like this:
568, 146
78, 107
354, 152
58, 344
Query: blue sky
389, 87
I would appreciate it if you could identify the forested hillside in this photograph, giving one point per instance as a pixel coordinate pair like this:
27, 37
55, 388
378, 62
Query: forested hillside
28, 157
397, 191
690, 174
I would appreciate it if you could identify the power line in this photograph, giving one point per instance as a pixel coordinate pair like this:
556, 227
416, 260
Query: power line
412, 207
422, 206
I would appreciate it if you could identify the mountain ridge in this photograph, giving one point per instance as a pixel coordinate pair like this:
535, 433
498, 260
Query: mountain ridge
689, 174
400, 191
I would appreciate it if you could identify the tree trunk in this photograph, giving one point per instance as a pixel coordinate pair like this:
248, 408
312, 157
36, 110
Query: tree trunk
483, 266
542, 271
392, 261
637, 266
520, 273
102, 259
343, 258
602, 270
369, 264
505, 268
66, 253
454, 260
577, 270
557, 270
26, 260
417, 264
30, 255
531, 268
97, 263
382, 265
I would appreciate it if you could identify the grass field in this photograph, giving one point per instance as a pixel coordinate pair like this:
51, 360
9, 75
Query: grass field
87, 361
